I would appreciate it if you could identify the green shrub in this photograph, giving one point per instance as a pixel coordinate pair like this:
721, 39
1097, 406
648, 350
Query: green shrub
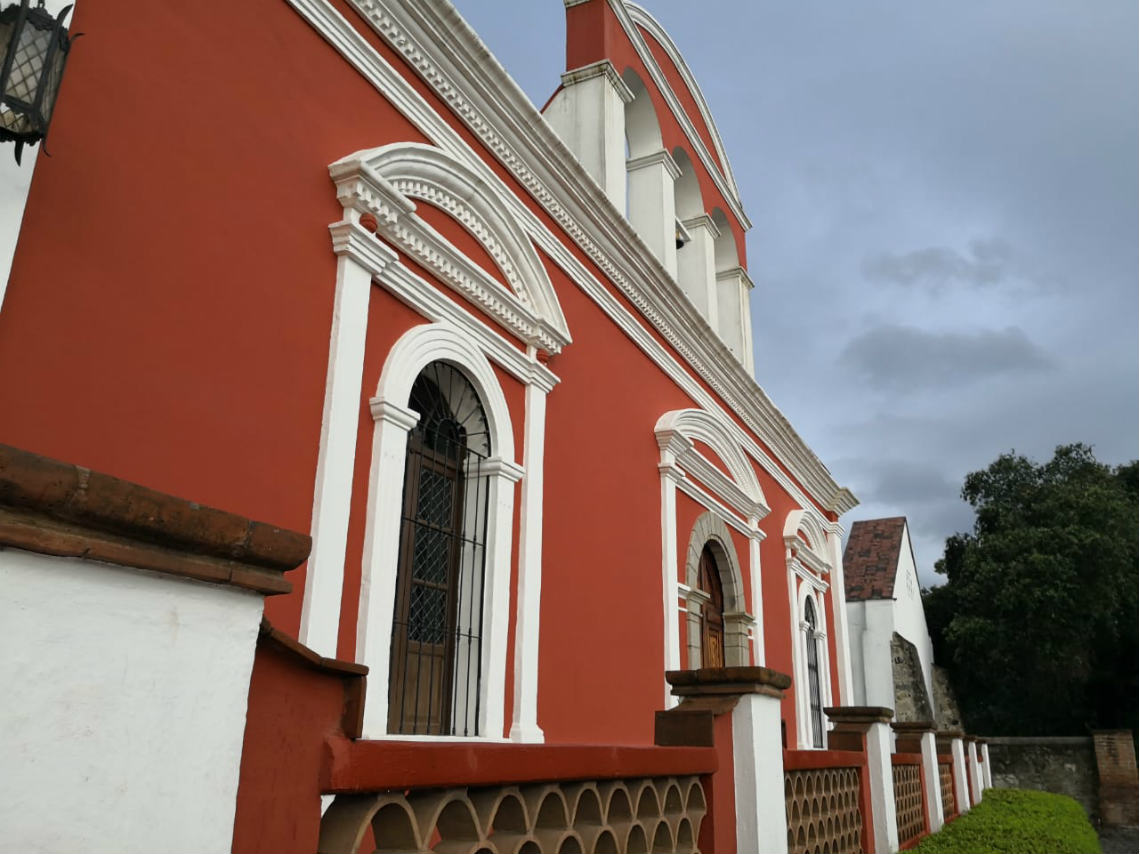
1016, 821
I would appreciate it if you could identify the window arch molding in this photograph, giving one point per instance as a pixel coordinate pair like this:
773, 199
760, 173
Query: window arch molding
394, 419
809, 570
711, 531
385, 181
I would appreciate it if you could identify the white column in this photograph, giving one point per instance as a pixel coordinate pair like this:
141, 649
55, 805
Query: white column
588, 114
880, 778
696, 268
758, 775
360, 256
755, 536
988, 777
839, 608
672, 654
961, 789
975, 772
524, 724
932, 781
652, 209
381, 556
502, 477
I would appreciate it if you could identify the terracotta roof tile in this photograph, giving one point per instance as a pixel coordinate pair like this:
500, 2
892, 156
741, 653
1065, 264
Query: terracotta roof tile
871, 558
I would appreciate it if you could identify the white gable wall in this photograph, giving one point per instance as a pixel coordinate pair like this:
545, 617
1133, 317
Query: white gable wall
872, 622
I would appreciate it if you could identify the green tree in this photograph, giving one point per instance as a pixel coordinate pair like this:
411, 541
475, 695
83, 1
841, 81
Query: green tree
1037, 621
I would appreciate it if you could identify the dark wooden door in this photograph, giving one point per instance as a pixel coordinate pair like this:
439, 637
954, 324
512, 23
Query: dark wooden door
424, 627
712, 612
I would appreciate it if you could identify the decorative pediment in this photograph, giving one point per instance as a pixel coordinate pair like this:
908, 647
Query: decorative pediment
385, 184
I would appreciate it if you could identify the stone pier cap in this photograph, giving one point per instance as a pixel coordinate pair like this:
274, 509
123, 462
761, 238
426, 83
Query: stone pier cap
710, 681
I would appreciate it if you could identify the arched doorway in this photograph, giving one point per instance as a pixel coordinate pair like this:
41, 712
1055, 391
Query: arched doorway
712, 610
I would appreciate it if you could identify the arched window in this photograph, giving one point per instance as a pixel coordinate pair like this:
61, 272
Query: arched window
712, 611
814, 693
436, 651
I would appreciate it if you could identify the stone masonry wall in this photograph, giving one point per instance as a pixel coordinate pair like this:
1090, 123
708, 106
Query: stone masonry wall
1065, 766
946, 713
911, 700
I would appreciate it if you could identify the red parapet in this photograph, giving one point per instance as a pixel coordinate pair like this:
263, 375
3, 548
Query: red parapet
802, 760
906, 758
373, 766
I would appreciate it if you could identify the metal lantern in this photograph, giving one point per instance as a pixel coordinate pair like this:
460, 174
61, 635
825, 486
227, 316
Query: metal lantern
33, 50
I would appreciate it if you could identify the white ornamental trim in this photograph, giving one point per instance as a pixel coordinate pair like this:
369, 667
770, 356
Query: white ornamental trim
715, 364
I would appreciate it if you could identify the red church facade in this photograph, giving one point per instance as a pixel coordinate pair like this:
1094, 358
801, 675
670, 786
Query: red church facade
320, 263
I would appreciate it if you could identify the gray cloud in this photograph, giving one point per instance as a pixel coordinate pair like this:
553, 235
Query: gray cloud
987, 262
896, 357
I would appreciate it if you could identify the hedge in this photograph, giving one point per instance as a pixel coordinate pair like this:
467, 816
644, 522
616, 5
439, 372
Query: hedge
1016, 821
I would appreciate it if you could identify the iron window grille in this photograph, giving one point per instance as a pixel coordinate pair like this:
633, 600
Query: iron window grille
816, 704
437, 646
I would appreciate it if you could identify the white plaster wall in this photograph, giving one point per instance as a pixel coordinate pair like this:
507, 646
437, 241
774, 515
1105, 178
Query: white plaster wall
871, 624
909, 618
124, 709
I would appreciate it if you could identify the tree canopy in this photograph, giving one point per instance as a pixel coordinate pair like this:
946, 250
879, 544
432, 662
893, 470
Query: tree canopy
1037, 622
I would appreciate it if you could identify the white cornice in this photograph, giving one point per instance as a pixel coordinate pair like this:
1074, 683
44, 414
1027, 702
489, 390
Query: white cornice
655, 158
540, 160
738, 273
601, 68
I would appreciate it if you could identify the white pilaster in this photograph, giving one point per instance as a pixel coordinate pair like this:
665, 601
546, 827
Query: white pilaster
932, 782
588, 113
502, 477
524, 725
381, 557
987, 775
734, 288
652, 208
754, 539
839, 609
332, 493
672, 653
758, 775
696, 268
880, 778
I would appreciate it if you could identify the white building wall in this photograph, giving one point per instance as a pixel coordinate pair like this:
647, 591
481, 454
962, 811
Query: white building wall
132, 690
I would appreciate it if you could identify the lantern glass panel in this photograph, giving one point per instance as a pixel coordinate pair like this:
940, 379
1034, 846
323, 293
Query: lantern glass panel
28, 63
51, 84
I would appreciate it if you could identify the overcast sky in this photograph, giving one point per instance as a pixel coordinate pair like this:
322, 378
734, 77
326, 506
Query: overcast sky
944, 200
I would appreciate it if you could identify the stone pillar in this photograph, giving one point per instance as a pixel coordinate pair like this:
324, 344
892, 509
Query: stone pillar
696, 268
129, 620
950, 741
868, 729
1117, 776
987, 770
652, 207
734, 288
918, 737
751, 696
975, 770
588, 113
